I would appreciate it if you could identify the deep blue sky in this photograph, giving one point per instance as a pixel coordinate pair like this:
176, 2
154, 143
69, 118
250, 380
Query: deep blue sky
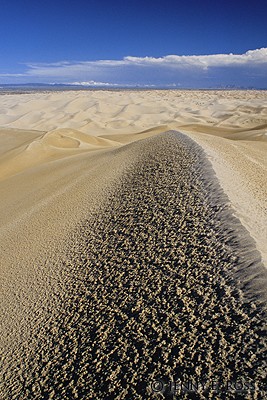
78, 30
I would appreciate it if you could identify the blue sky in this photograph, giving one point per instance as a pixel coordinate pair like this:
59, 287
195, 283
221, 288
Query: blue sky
186, 43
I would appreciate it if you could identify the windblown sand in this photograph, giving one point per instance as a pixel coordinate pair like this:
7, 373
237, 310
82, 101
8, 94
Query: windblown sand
123, 259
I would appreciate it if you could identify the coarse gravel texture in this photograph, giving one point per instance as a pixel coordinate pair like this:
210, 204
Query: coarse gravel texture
162, 283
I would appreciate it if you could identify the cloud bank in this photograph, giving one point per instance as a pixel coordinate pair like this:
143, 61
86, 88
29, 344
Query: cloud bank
246, 69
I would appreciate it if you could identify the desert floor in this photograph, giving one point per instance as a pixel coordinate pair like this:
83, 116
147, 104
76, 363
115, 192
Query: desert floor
133, 242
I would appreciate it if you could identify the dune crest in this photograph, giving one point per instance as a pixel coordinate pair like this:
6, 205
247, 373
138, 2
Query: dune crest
257, 132
72, 138
112, 232
47, 147
153, 277
41, 129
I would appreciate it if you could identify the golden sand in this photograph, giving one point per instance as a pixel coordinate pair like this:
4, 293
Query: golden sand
63, 156
44, 132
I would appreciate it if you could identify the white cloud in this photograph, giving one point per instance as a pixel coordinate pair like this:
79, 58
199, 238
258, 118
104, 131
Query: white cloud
204, 61
94, 83
258, 56
149, 70
11, 75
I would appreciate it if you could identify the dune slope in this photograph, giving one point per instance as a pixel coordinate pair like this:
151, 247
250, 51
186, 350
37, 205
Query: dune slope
161, 281
123, 258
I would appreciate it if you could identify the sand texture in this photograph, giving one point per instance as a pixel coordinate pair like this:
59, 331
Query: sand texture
123, 258
36, 128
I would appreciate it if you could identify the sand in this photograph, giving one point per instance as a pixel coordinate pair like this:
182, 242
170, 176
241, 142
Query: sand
79, 192
54, 125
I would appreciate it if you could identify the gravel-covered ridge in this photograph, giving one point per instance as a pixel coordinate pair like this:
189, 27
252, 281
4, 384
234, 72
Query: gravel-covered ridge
163, 283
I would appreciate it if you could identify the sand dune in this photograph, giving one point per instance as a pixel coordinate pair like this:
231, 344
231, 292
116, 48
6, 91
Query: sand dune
37, 129
78, 166
41, 128
159, 281
104, 112
258, 132
47, 147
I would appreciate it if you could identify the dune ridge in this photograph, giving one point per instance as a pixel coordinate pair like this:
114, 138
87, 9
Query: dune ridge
53, 133
53, 145
75, 167
189, 303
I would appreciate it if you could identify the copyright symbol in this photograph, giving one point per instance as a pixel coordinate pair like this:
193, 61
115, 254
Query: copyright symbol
157, 386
